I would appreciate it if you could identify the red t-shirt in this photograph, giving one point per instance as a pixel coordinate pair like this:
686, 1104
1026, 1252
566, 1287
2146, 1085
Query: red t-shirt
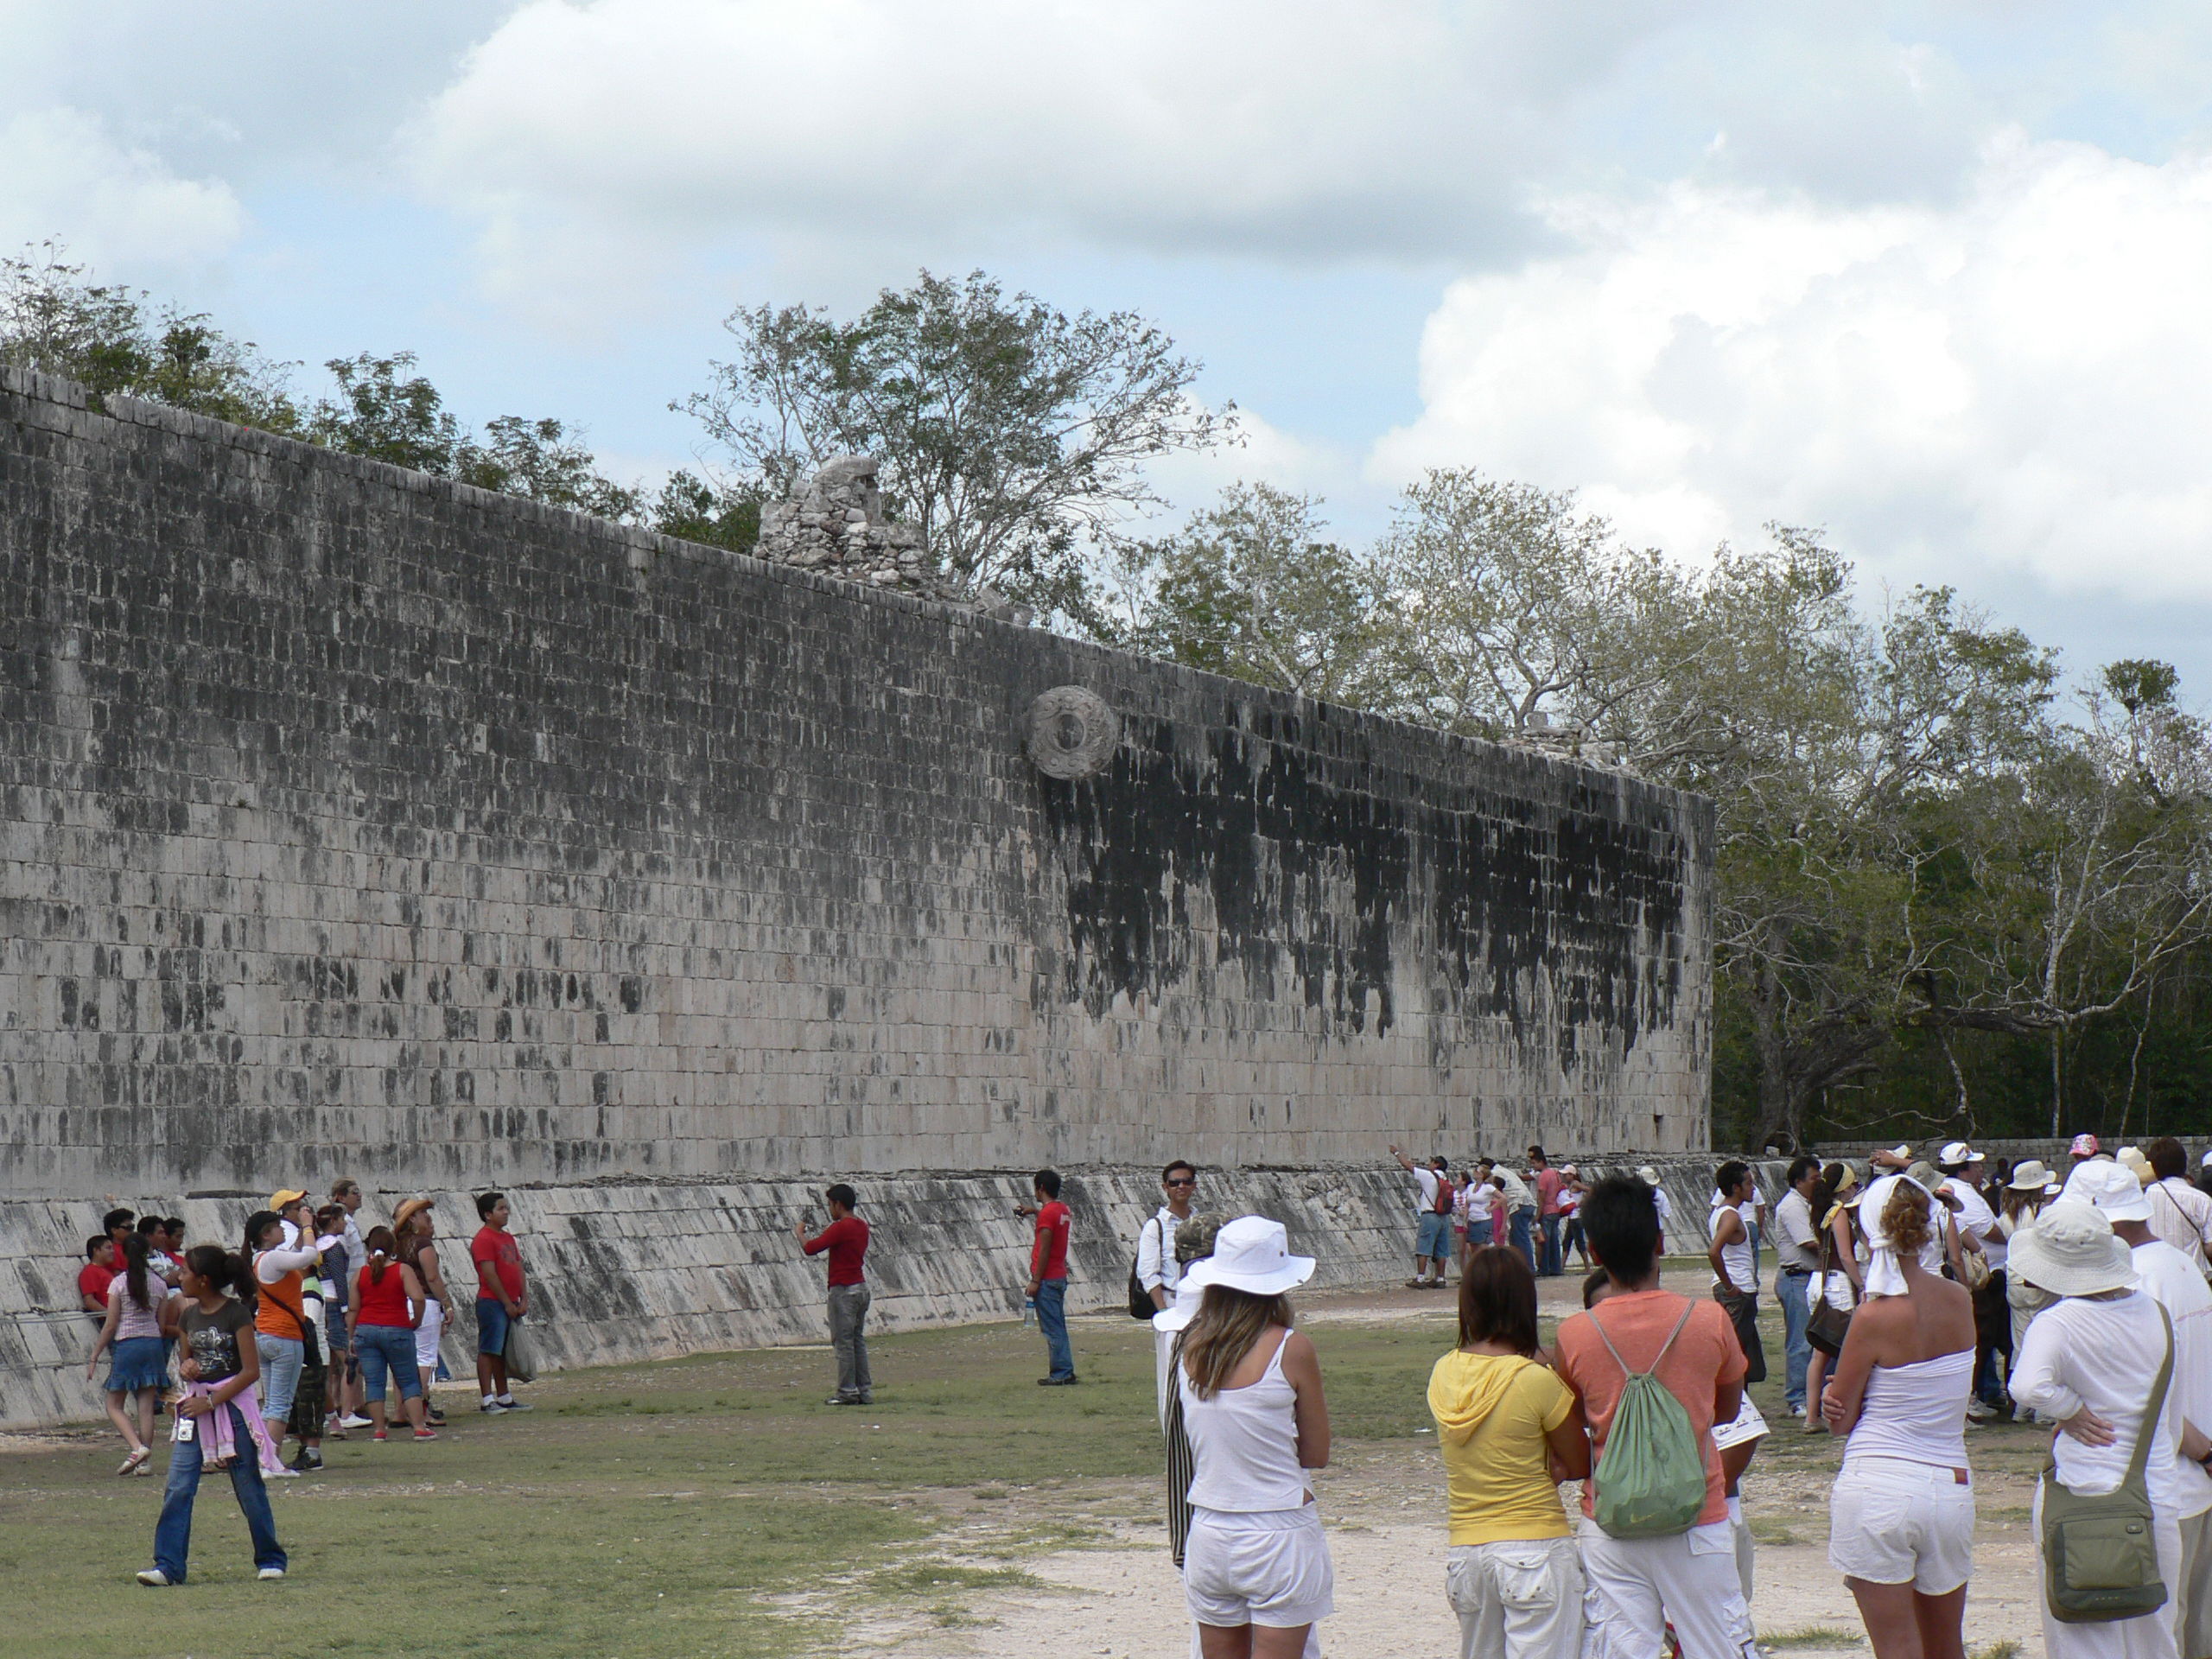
92, 1279
495, 1249
846, 1239
1048, 1256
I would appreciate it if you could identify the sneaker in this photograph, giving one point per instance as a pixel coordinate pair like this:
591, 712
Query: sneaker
308, 1463
1416, 1284
508, 1402
154, 1579
268, 1573
842, 1400
280, 1474
1056, 1382
136, 1461
1980, 1411
379, 1435
490, 1405
354, 1420
426, 1434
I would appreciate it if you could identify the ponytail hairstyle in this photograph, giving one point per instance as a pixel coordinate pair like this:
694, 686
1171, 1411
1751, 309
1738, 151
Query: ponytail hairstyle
218, 1267
134, 1253
1904, 1219
382, 1248
256, 1224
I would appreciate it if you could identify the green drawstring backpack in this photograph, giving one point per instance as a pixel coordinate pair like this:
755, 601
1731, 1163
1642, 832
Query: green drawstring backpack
1652, 1475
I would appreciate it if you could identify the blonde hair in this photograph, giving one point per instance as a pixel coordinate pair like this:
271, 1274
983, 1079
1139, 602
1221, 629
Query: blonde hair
1904, 1219
1228, 1322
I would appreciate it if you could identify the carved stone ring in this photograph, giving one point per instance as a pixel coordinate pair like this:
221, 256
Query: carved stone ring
1072, 733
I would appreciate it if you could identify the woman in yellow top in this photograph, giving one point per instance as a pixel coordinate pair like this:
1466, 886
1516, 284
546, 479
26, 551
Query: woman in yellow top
1511, 1431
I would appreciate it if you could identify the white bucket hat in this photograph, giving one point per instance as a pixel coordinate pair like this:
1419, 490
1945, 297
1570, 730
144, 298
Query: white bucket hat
2113, 1188
1190, 1291
1252, 1253
2072, 1251
2029, 1175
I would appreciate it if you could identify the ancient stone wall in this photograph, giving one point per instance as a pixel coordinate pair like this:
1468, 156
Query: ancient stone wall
355, 820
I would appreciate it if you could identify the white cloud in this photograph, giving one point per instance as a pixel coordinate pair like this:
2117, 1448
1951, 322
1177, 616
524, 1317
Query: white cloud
63, 175
2014, 383
1327, 128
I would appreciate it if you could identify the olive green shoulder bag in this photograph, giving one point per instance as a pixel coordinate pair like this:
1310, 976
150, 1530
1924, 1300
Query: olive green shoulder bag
2100, 1553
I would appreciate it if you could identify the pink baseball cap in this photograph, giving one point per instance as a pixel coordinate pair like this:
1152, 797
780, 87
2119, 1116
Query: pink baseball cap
2085, 1146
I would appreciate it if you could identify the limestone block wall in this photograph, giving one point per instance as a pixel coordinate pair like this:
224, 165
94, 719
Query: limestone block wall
356, 821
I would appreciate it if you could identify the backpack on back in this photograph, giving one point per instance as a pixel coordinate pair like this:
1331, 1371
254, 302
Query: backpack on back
1651, 1474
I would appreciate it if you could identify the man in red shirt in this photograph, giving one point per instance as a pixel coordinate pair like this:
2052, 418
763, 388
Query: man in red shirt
1687, 1579
846, 1239
500, 1300
1548, 1182
100, 1268
1048, 1277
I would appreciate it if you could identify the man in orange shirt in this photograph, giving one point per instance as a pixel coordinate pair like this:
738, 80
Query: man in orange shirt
1689, 1578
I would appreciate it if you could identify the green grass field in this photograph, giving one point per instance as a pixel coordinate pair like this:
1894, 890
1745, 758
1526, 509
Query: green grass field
709, 1506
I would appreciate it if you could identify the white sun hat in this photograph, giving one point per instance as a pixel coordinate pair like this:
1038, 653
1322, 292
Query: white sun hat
2113, 1188
2029, 1175
1252, 1253
1190, 1290
2132, 1158
1958, 1152
2072, 1251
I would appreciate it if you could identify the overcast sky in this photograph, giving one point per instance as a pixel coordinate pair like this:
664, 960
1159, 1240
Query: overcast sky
1937, 277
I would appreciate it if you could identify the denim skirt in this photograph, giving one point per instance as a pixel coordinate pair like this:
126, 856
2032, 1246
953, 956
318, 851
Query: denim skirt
139, 1362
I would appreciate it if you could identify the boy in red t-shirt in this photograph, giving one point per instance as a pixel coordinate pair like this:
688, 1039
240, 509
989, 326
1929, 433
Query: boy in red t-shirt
846, 1240
500, 1300
93, 1277
1048, 1276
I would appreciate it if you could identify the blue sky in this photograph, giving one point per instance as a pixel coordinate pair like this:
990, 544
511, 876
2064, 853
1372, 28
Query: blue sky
1931, 276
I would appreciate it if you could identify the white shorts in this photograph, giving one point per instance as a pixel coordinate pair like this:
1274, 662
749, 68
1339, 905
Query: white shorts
1271, 1568
426, 1336
1895, 1521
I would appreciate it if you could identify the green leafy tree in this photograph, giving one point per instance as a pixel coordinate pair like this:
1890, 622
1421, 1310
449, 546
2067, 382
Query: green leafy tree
113, 339
1253, 588
1013, 434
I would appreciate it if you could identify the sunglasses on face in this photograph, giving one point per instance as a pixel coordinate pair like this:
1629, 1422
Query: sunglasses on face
1181, 1180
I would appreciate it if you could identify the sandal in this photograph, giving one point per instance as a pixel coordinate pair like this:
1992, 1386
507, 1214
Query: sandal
136, 1463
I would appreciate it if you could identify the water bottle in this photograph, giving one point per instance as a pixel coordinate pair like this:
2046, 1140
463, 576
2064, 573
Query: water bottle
1029, 1310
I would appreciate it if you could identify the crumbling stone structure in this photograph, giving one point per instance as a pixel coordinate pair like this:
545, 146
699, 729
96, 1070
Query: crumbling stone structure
356, 821
836, 525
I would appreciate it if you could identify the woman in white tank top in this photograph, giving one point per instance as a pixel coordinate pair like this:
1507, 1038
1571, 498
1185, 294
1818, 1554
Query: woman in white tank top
1257, 1570
1901, 1515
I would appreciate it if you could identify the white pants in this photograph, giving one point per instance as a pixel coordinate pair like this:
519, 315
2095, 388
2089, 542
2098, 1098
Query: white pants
426, 1336
2194, 1593
1740, 1530
2151, 1636
1516, 1599
1690, 1579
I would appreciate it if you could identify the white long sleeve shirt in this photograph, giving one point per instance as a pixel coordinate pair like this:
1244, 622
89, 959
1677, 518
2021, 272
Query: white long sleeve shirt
1157, 1268
2104, 1355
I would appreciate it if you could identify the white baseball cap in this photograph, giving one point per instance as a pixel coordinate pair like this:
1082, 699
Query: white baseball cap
1958, 1152
2113, 1187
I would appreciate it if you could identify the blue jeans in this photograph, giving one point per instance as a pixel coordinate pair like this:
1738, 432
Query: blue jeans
387, 1348
1053, 1321
1551, 1246
1517, 1232
1797, 1349
173, 1532
281, 1359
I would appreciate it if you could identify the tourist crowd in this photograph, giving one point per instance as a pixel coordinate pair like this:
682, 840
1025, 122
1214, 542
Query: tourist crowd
291, 1337
1927, 1296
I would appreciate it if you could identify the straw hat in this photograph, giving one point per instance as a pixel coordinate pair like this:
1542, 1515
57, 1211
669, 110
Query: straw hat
407, 1212
2072, 1251
1252, 1253
2113, 1188
2029, 1175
